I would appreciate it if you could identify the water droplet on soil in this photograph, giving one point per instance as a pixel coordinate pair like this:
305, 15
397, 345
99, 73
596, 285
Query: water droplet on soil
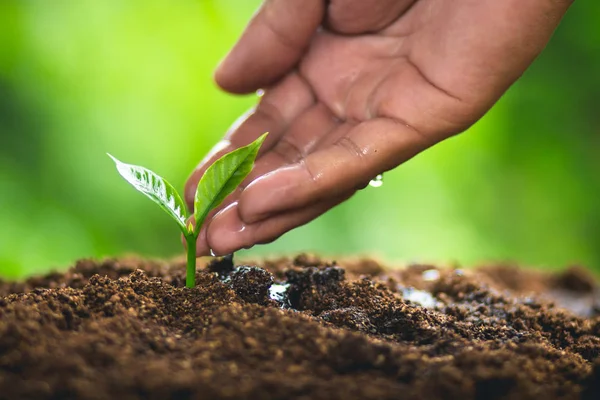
421, 297
278, 292
377, 181
431, 275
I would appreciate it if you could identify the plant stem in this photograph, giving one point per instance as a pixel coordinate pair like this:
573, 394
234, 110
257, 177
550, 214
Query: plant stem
190, 276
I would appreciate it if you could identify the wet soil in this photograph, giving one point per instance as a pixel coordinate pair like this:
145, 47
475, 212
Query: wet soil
300, 328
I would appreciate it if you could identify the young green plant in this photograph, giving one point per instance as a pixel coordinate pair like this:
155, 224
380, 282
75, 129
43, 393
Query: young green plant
219, 180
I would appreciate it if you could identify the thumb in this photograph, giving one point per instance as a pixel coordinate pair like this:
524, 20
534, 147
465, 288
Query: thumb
271, 45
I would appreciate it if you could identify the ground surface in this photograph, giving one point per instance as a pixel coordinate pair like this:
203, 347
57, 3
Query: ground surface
127, 329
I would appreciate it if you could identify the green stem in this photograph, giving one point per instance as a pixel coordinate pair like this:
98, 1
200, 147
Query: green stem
190, 277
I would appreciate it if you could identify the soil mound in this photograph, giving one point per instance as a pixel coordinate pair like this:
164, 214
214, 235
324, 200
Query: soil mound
300, 328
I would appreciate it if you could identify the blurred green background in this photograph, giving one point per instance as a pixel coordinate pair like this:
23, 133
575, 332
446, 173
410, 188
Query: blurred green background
134, 78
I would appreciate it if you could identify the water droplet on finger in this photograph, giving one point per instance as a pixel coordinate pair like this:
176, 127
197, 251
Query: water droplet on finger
377, 181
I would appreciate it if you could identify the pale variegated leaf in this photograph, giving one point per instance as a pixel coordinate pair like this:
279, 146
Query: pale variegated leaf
156, 189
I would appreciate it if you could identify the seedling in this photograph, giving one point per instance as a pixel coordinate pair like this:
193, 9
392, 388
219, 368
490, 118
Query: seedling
219, 180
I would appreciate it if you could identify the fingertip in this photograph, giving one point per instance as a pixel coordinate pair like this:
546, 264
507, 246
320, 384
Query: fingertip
243, 70
271, 45
240, 73
271, 193
253, 205
202, 251
227, 76
226, 232
202, 248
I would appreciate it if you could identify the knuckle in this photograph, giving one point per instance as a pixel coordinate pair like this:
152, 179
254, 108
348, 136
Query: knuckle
350, 145
288, 151
312, 176
269, 111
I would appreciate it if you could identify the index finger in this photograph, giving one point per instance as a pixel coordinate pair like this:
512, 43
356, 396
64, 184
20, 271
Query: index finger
271, 45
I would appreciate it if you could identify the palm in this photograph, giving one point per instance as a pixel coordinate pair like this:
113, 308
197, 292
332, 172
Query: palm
349, 107
436, 68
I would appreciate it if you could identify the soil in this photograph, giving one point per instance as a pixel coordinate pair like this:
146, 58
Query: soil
300, 328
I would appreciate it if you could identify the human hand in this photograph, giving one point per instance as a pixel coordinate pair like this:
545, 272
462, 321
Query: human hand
382, 81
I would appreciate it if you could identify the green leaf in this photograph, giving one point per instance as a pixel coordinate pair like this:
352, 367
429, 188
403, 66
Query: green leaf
222, 177
156, 189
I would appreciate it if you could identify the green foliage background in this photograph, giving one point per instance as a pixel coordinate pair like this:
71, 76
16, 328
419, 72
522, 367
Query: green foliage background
80, 78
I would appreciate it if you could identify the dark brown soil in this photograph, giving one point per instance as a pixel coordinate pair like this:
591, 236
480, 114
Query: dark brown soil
300, 329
